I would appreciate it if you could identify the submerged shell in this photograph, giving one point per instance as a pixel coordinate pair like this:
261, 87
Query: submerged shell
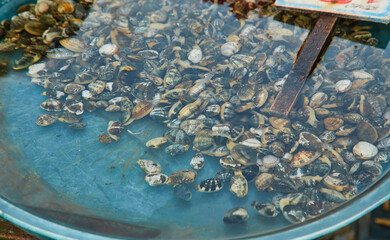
182, 176
229, 48
108, 49
141, 109
156, 179
364, 150
236, 215
197, 161
149, 166
46, 119
209, 185
156, 142
72, 44
182, 191
265, 209
195, 55
239, 184
304, 158
52, 105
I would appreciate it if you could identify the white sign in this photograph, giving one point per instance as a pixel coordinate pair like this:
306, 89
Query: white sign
372, 10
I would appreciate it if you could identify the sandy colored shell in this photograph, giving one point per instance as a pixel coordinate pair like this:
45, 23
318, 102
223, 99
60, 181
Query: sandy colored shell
97, 86
333, 123
142, 109
72, 44
65, 7
364, 150
108, 49
182, 176
46, 119
156, 142
304, 158
239, 185
149, 166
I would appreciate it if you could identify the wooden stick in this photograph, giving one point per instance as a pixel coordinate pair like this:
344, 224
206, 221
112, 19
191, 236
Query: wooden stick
304, 64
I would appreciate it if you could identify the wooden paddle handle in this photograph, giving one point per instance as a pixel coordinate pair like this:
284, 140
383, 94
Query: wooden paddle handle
304, 64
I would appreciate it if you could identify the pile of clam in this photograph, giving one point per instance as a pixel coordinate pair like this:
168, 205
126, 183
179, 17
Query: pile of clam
38, 27
212, 79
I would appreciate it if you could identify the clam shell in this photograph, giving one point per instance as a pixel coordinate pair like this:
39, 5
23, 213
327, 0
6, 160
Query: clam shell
236, 215
108, 49
364, 150
149, 166
72, 44
195, 55
229, 48
304, 158
270, 161
333, 123
343, 85
367, 132
156, 179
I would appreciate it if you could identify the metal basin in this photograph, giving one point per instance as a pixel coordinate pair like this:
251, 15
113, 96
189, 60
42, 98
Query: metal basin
64, 184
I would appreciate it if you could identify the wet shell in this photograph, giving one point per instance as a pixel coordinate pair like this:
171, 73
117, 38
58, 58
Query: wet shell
304, 158
156, 179
265, 209
46, 119
310, 142
97, 87
73, 88
279, 123
212, 110
108, 49
72, 44
182, 192
51, 105
175, 149
336, 181
229, 48
74, 106
156, 142
228, 162
35, 28
197, 161
177, 136
333, 123
252, 143
209, 185
236, 215
149, 166
105, 138
239, 184
68, 117
244, 154
246, 92
217, 151
182, 176
364, 150
65, 7
225, 175
260, 98
367, 132
195, 55
141, 109
192, 126
318, 99
25, 61
343, 86
270, 161
203, 141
